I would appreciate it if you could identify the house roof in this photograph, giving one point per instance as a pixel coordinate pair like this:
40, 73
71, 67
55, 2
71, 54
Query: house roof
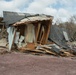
18, 18
33, 19
12, 17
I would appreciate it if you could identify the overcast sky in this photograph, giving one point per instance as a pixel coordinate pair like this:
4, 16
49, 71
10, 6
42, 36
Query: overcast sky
61, 9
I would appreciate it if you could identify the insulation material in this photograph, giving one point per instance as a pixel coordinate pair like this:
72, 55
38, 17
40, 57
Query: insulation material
30, 35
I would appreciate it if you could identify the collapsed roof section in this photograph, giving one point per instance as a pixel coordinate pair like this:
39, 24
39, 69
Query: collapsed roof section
33, 19
13, 17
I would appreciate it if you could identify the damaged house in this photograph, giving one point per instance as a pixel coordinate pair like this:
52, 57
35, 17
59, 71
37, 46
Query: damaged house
27, 31
35, 33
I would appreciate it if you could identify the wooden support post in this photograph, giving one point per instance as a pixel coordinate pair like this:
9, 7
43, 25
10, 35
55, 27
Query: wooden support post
43, 33
46, 32
37, 29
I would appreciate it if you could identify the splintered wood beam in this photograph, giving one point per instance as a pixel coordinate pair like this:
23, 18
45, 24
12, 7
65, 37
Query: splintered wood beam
42, 34
37, 29
46, 31
47, 51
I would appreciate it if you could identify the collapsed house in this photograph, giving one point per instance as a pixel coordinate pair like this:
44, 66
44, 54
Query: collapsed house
29, 31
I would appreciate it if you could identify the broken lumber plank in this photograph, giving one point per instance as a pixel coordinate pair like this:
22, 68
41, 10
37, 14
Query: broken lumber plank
47, 51
43, 46
30, 50
52, 47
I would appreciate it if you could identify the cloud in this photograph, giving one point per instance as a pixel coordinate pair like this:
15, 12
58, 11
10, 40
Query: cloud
13, 5
39, 6
45, 7
62, 9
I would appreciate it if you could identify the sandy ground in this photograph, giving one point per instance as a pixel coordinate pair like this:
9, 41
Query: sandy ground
26, 64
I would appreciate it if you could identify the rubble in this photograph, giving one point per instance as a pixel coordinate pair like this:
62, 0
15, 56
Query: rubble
3, 50
29, 31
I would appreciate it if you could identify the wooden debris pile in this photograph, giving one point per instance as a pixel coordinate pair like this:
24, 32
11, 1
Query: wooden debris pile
51, 49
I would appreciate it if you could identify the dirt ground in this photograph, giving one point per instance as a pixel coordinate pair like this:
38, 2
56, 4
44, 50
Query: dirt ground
26, 64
